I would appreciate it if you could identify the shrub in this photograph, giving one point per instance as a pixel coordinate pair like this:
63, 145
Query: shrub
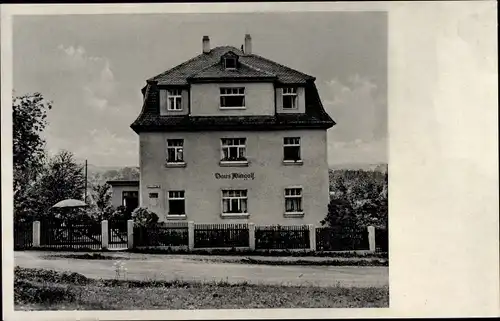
44, 276
144, 217
30, 292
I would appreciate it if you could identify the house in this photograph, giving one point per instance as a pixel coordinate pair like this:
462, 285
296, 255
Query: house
232, 137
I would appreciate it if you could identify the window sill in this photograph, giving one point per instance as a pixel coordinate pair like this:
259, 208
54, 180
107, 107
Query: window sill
293, 214
230, 108
172, 217
234, 163
292, 162
175, 164
235, 215
175, 110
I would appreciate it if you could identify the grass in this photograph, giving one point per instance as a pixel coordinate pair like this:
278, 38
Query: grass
86, 256
38, 289
327, 262
274, 253
230, 252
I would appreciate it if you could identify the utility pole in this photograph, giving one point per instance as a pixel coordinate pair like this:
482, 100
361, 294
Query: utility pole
85, 199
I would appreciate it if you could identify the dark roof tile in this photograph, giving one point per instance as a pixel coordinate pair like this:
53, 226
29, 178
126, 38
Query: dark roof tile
179, 74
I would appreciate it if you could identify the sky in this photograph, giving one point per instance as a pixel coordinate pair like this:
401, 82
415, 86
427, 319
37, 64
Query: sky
92, 68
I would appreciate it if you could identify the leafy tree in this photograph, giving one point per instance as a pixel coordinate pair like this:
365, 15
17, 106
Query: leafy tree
29, 113
62, 178
101, 200
121, 213
359, 199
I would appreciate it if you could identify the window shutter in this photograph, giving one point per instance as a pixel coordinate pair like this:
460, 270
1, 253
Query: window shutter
279, 98
185, 100
163, 102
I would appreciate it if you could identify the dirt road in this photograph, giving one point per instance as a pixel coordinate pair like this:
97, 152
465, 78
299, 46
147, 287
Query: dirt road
185, 267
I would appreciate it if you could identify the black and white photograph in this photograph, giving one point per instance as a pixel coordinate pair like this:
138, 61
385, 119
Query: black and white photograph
201, 161
169, 162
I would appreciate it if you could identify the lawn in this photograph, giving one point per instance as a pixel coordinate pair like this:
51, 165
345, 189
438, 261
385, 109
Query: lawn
39, 289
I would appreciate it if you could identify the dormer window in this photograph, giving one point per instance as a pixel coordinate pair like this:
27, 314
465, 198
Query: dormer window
230, 62
290, 98
174, 97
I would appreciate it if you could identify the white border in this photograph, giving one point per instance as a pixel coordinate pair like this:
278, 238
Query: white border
444, 200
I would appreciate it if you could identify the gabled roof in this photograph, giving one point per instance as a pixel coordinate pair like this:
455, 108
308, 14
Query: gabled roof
180, 74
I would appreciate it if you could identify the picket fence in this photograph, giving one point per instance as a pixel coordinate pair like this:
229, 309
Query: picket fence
127, 235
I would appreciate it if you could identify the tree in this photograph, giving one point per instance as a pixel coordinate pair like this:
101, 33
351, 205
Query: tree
359, 199
62, 178
101, 200
29, 113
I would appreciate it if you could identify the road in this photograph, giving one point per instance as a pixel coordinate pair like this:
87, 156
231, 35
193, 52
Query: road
189, 267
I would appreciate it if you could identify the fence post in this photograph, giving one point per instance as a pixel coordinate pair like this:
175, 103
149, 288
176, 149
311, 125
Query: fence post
371, 238
312, 237
191, 235
36, 233
251, 236
104, 234
130, 234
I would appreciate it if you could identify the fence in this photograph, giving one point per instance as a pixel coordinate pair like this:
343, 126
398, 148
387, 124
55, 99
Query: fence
68, 235
171, 234
221, 235
23, 235
282, 237
341, 239
382, 240
117, 234
124, 235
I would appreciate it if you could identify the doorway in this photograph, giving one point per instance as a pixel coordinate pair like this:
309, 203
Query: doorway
130, 199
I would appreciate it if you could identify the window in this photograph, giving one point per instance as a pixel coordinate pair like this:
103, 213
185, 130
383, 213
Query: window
230, 63
234, 202
176, 203
175, 150
232, 97
291, 149
174, 97
293, 200
153, 199
233, 149
289, 98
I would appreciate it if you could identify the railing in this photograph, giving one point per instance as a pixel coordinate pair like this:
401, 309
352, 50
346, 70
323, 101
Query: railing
117, 234
341, 239
382, 240
282, 237
170, 234
221, 235
71, 236
126, 235
23, 235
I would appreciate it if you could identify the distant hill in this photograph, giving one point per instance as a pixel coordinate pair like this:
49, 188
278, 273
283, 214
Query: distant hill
101, 174
379, 167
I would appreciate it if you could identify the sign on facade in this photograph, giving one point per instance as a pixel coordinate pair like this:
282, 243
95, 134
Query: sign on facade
243, 176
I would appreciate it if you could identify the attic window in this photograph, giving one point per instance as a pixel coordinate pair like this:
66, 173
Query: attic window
230, 63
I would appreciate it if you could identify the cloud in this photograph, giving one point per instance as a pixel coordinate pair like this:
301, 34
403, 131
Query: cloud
92, 74
90, 117
360, 111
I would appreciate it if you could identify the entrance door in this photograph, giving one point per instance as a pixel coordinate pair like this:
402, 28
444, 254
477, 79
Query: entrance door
130, 199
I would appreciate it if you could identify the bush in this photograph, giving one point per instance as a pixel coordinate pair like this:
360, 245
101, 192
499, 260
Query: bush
30, 292
44, 276
144, 217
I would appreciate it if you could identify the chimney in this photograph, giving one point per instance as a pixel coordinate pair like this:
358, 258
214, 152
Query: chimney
206, 44
248, 44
